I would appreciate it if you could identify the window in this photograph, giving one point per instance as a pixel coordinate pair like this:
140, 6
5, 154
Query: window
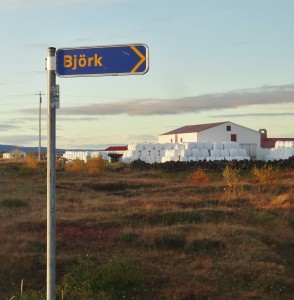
233, 137
229, 128
171, 140
181, 140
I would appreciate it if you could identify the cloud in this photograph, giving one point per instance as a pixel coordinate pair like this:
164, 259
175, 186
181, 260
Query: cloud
87, 119
6, 127
265, 95
278, 114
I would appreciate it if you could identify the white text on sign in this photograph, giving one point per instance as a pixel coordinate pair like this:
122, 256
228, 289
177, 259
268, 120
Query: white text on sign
73, 62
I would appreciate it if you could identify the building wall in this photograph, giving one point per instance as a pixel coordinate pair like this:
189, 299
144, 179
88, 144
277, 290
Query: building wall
244, 136
221, 134
248, 138
178, 138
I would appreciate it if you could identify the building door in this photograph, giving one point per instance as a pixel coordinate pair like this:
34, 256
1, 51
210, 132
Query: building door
233, 137
176, 138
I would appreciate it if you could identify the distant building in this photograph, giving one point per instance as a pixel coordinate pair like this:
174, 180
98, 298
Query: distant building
115, 152
268, 143
14, 153
256, 143
248, 139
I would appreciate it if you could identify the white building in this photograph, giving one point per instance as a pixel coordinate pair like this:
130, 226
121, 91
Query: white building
14, 153
248, 139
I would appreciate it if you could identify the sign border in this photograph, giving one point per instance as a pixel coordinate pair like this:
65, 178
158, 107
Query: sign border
105, 74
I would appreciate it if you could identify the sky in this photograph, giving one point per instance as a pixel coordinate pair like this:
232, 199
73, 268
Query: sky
209, 61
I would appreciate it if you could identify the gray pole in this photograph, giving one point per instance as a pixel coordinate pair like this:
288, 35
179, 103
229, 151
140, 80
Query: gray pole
39, 150
51, 175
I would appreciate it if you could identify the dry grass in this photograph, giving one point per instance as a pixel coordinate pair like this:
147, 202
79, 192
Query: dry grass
191, 243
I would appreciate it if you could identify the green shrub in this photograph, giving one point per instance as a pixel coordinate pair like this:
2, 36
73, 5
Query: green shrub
31, 295
120, 279
116, 279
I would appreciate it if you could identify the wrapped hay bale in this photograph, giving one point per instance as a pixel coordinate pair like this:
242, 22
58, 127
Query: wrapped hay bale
215, 153
163, 152
168, 146
289, 144
208, 145
234, 152
165, 159
154, 152
190, 145
158, 146
175, 152
148, 146
183, 158
196, 152
242, 152
204, 152
218, 146
199, 145
224, 153
138, 147
145, 152
158, 159
178, 146
185, 152
231, 145
279, 144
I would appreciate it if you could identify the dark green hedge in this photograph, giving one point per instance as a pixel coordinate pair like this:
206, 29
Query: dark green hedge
179, 166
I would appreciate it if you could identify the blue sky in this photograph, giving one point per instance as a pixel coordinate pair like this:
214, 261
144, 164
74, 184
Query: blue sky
210, 61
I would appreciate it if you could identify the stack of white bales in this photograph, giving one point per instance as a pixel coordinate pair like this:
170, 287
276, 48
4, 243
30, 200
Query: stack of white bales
282, 150
193, 151
147, 152
210, 151
84, 155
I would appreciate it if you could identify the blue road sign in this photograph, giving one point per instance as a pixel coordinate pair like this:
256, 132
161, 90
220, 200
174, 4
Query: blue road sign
102, 60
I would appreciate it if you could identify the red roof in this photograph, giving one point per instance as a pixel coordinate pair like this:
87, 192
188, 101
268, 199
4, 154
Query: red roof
117, 148
194, 128
270, 142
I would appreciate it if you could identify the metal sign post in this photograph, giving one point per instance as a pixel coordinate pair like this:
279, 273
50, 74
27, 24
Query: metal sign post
53, 103
75, 62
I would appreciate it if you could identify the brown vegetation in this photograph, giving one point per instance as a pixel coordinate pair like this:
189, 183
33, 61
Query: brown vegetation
158, 232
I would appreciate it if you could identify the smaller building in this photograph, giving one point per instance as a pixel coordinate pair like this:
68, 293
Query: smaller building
115, 152
14, 153
268, 143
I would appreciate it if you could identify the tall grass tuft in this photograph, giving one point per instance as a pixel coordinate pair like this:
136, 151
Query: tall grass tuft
232, 179
266, 174
96, 165
198, 177
31, 162
78, 166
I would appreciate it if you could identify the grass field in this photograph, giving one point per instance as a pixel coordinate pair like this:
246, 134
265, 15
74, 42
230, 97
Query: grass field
149, 235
